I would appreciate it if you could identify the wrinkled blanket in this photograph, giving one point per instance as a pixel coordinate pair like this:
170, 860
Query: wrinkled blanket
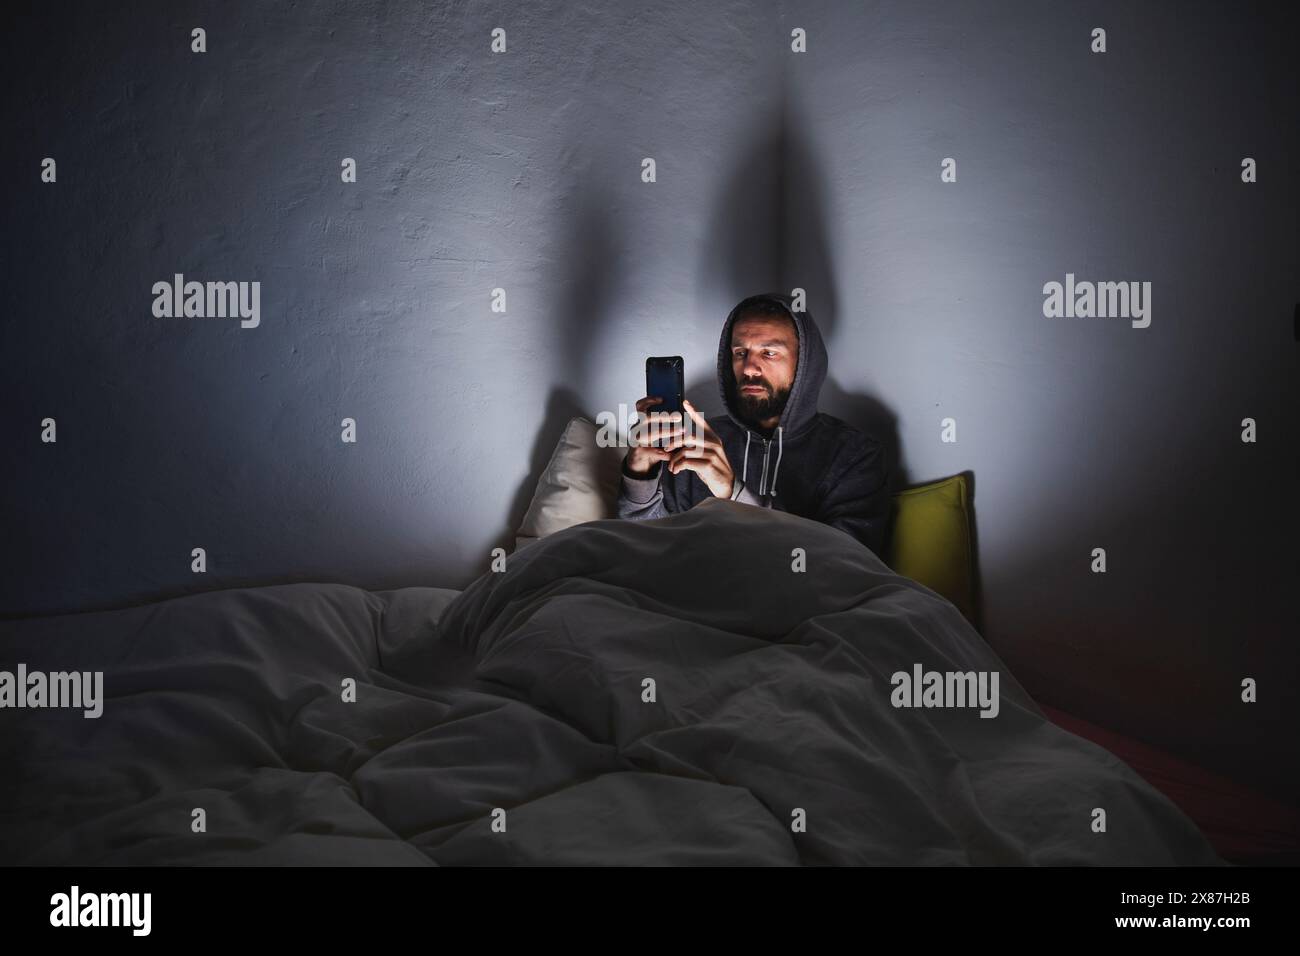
716, 687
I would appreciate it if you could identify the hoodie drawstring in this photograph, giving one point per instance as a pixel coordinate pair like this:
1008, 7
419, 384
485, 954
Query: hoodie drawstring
744, 472
777, 466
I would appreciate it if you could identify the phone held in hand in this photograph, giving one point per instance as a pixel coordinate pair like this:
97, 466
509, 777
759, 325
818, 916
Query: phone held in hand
665, 378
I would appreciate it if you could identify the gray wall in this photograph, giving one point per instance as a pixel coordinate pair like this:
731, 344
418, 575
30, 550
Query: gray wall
775, 170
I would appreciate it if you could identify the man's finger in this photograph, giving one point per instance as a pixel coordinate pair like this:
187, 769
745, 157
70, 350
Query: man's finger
643, 403
682, 454
696, 416
702, 466
654, 426
662, 432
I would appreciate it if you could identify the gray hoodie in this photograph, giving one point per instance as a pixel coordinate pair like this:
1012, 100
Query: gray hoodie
828, 470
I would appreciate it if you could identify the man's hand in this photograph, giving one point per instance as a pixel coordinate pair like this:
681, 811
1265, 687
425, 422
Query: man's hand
703, 454
650, 427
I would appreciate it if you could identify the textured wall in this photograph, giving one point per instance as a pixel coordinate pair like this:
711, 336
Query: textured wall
775, 170
475, 171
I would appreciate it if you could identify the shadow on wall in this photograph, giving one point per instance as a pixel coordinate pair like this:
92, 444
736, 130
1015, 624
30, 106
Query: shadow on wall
769, 232
587, 245
808, 262
801, 256
766, 233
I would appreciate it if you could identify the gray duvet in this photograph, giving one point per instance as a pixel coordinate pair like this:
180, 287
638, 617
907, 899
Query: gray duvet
661, 692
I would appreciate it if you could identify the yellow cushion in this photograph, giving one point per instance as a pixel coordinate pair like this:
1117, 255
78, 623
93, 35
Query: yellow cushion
931, 541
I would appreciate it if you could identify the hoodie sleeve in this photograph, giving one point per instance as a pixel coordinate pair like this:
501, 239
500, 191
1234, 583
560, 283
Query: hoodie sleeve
745, 494
858, 499
640, 499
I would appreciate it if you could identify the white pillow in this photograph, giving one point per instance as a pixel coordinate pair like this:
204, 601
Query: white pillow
581, 483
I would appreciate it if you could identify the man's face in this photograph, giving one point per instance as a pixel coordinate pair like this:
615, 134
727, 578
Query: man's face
764, 356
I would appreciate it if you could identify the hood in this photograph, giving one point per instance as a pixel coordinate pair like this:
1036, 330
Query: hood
810, 372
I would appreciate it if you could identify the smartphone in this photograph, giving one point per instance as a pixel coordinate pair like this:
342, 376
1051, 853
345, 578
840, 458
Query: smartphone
665, 378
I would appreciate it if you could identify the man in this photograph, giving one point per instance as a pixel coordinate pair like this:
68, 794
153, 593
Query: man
771, 364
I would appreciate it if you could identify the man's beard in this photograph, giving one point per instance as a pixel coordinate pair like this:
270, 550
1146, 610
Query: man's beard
753, 408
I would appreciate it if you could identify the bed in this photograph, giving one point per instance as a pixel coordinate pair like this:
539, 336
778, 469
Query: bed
669, 692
